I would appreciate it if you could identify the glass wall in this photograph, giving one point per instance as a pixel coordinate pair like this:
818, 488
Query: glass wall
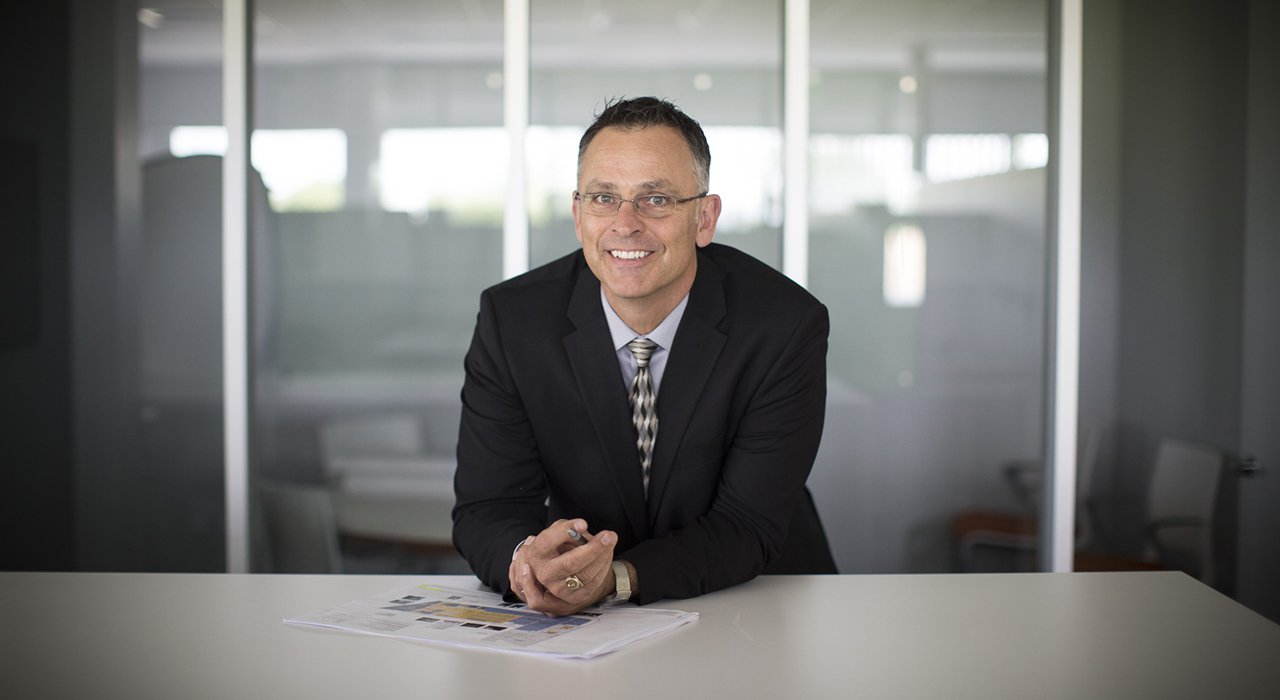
180, 289
380, 154
379, 138
927, 243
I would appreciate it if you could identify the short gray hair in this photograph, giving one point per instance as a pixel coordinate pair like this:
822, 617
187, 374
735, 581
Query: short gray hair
645, 112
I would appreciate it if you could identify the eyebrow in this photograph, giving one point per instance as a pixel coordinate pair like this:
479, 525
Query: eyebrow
661, 185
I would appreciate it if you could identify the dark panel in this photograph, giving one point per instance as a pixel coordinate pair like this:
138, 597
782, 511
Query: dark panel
19, 243
35, 367
1183, 162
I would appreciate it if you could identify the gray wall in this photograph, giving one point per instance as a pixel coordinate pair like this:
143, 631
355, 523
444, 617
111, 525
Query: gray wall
1259, 575
1100, 224
1171, 175
1182, 150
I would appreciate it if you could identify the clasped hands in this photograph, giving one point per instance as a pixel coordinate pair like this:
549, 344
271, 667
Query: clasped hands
547, 568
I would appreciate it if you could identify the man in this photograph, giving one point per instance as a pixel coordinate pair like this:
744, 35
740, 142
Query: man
639, 417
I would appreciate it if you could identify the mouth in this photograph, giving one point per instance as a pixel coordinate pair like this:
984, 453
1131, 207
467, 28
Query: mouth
630, 254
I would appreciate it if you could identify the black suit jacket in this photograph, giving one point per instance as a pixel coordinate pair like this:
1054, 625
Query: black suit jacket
546, 428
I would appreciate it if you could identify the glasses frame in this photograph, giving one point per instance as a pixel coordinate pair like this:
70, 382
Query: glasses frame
580, 197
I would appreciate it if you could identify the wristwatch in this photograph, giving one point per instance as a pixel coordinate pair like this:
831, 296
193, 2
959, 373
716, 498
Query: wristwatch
622, 588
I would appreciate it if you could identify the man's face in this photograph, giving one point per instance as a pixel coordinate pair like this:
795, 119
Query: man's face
637, 259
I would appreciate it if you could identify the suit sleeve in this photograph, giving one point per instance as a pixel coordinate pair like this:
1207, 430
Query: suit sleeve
499, 484
761, 481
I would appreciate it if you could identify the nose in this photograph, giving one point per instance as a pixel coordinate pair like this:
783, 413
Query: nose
628, 218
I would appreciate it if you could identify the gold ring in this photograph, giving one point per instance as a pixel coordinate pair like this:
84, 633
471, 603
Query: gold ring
573, 583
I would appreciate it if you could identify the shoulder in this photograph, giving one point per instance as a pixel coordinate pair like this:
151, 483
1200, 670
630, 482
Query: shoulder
545, 288
752, 287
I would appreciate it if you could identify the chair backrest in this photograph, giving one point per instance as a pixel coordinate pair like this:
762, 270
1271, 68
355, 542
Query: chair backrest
298, 525
1184, 483
1180, 505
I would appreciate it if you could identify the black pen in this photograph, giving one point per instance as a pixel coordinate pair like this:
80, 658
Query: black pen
576, 537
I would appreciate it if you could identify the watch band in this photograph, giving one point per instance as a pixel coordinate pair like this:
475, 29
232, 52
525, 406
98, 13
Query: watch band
622, 586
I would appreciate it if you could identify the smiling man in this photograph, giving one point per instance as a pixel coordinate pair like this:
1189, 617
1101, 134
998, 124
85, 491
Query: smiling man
639, 417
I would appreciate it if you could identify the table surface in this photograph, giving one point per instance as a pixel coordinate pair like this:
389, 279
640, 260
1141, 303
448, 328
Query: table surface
1104, 635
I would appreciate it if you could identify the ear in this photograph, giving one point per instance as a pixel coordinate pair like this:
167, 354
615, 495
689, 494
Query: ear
577, 228
708, 215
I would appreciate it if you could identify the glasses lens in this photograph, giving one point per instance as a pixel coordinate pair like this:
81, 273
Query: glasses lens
599, 204
656, 206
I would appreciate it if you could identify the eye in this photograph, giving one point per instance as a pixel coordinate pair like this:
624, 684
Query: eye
603, 198
659, 201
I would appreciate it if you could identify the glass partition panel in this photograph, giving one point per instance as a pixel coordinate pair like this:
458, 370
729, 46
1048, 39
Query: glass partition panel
719, 62
379, 139
179, 502
927, 243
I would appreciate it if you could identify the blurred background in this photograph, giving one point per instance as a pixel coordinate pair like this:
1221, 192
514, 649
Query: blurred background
380, 161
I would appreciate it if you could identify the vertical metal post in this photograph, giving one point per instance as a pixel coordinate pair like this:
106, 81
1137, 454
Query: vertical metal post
1057, 533
515, 118
795, 140
237, 100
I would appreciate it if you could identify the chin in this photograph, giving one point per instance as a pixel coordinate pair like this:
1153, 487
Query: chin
628, 292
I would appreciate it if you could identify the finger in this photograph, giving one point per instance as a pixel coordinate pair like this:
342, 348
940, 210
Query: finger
516, 579
576, 580
528, 584
552, 606
525, 543
571, 587
597, 571
515, 569
577, 533
597, 549
540, 599
517, 561
594, 571
562, 536
547, 544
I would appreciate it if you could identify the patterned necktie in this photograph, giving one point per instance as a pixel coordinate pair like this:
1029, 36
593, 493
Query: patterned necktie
643, 415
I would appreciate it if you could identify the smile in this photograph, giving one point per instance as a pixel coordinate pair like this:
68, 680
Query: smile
630, 254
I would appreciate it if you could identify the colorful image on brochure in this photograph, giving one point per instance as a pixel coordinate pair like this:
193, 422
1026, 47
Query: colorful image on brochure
507, 623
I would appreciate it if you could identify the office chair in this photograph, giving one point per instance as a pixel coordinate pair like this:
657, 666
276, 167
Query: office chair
1017, 533
296, 530
1178, 526
1180, 507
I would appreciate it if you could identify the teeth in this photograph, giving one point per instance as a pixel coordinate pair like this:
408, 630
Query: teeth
629, 254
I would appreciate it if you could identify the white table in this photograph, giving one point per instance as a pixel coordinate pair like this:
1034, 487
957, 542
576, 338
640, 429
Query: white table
1108, 635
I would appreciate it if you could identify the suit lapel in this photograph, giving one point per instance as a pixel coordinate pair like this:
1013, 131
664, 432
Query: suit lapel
694, 352
595, 368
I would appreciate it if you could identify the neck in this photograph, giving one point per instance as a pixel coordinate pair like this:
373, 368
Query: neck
641, 316
645, 314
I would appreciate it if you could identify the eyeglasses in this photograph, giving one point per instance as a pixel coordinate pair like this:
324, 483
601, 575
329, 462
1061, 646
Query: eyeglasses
652, 206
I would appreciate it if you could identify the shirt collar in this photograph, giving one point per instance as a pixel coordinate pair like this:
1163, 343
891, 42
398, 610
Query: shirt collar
663, 335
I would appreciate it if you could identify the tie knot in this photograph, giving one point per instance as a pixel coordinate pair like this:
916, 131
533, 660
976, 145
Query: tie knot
643, 349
